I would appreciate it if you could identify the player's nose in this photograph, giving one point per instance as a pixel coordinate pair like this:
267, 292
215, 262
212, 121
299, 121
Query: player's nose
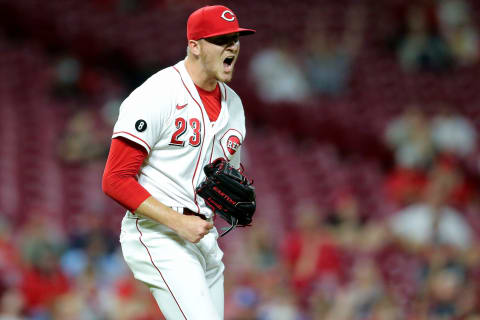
233, 45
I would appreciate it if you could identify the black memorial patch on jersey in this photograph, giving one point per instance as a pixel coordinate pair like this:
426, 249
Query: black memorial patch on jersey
141, 125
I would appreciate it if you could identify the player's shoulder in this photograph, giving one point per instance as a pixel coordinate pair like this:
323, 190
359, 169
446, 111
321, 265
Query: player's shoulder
161, 81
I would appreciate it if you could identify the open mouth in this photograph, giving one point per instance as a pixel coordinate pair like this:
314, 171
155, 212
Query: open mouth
228, 61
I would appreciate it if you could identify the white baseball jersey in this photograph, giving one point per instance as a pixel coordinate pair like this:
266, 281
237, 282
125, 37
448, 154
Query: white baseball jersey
166, 116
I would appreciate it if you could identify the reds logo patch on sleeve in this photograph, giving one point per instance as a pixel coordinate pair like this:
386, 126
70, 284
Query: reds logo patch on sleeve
231, 142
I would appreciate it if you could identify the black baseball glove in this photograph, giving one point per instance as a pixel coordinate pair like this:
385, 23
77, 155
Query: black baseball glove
228, 193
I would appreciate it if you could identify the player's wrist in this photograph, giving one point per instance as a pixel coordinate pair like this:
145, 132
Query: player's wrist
174, 220
157, 211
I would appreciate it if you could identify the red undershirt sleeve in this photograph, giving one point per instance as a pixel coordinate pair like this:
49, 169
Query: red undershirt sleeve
120, 176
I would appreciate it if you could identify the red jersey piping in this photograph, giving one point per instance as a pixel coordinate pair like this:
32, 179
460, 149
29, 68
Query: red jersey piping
201, 147
118, 132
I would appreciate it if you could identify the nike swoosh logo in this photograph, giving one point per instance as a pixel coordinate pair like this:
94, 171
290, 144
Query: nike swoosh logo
179, 107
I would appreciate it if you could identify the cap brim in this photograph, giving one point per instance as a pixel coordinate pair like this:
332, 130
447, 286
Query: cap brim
246, 32
241, 32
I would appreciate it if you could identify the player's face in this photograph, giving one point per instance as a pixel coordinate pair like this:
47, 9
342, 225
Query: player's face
219, 55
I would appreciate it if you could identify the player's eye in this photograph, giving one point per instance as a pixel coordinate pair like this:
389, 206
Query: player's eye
223, 40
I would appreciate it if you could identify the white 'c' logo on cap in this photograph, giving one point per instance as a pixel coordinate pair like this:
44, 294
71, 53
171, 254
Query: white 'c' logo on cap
231, 16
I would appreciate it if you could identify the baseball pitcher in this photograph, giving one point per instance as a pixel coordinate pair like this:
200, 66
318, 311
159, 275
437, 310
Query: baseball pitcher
174, 163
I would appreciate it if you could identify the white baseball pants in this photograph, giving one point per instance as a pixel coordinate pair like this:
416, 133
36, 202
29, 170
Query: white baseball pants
186, 279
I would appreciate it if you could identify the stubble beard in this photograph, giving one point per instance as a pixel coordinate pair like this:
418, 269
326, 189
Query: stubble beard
215, 71
227, 77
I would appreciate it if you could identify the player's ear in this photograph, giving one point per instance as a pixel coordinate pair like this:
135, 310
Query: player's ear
194, 47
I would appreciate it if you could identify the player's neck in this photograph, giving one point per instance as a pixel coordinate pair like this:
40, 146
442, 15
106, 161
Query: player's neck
199, 77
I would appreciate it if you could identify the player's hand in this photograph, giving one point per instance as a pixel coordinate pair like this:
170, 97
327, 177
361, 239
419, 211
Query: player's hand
193, 228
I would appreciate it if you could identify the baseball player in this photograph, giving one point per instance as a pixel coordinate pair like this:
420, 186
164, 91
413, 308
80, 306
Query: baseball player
181, 119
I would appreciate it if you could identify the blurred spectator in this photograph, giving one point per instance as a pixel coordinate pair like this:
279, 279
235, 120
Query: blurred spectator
452, 13
93, 250
418, 143
10, 258
447, 291
68, 71
360, 296
11, 305
42, 235
358, 237
264, 255
457, 27
42, 279
43, 282
277, 74
386, 308
256, 250
109, 111
409, 136
70, 306
432, 222
328, 61
345, 220
312, 256
131, 300
444, 289
241, 297
281, 306
422, 47
404, 186
74, 79
84, 139
452, 133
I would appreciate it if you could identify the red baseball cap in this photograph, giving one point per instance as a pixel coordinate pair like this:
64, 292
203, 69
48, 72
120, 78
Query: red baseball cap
211, 21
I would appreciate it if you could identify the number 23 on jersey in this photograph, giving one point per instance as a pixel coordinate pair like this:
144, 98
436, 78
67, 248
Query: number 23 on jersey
181, 125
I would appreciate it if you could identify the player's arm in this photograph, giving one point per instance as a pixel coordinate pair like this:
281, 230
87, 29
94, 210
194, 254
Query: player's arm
120, 183
191, 228
120, 176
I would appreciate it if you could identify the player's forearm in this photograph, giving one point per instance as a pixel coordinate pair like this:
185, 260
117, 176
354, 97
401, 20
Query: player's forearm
157, 211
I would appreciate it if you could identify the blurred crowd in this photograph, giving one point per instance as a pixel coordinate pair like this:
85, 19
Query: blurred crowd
420, 261
321, 64
425, 35
50, 272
